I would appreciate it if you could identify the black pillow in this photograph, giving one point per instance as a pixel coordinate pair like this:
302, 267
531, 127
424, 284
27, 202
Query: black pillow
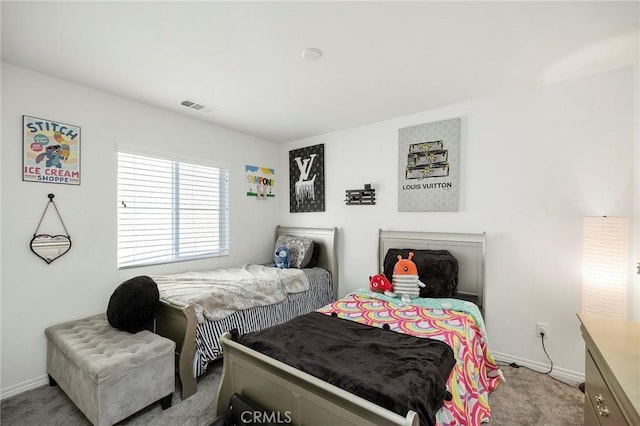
437, 269
133, 304
315, 256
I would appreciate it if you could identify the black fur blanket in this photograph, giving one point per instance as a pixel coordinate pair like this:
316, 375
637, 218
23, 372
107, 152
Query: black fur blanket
393, 370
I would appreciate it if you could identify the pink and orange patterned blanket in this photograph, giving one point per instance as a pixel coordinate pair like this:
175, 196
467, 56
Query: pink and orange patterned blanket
455, 322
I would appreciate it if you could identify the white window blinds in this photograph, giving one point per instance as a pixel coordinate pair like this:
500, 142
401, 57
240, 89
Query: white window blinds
170, 211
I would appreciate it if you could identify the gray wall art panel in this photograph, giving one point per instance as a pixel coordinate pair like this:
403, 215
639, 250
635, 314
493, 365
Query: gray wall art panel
429, 167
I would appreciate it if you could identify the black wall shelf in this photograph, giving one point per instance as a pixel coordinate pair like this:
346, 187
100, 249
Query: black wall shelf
366, 196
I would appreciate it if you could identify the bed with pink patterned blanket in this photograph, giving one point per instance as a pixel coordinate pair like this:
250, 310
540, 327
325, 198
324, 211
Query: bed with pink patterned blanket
455, 322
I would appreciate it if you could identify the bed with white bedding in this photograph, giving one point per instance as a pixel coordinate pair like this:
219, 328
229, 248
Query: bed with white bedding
197, 307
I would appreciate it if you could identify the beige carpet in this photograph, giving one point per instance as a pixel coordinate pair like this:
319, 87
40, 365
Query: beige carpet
528, 398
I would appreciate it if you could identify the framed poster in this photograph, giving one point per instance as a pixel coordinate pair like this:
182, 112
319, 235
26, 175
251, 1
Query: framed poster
50, 151
306, 179
260, 182
429, 167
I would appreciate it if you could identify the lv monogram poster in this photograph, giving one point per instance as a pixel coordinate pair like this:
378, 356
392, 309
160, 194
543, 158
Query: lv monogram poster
306, 179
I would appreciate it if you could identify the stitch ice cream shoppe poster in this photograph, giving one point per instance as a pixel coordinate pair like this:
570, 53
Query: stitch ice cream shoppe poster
51, 151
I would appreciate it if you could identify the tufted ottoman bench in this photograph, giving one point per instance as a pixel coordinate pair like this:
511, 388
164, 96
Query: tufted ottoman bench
108, 373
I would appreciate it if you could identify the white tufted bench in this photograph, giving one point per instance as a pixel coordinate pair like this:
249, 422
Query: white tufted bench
108, 373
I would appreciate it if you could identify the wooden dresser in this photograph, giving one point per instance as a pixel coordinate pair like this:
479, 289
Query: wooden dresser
612, 371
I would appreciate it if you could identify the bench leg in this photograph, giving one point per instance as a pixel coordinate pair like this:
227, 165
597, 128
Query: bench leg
52, 381
166, 401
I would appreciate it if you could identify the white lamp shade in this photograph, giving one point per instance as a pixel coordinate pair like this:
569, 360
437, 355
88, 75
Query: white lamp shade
604, 285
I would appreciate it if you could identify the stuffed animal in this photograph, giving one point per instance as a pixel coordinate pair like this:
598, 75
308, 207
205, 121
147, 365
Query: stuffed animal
380, 284
282, 259
405, 281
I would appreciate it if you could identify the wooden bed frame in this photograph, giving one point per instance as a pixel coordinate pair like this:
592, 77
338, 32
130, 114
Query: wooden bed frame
179, 323
304, 399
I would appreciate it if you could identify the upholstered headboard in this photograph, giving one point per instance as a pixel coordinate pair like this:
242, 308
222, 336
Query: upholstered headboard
468, 249
326, 237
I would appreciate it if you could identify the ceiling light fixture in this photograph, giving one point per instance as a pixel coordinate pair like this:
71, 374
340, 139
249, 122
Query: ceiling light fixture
312, 54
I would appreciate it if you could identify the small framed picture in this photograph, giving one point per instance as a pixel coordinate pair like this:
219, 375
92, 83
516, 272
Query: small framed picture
50, 151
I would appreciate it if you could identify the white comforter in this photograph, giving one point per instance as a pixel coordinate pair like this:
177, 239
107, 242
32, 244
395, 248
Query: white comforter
218, 293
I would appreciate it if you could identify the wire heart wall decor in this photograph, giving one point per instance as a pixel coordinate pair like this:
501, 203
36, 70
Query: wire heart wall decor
50, 247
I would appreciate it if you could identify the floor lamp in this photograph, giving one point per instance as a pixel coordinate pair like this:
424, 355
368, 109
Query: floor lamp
604, 278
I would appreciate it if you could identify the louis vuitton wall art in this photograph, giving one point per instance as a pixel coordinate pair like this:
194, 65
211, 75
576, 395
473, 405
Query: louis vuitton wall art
429, 166
306, 179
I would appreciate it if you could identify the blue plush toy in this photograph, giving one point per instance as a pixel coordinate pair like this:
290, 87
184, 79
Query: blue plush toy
282, 257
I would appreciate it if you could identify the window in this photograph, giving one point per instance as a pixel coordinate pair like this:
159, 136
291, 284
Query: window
170, 211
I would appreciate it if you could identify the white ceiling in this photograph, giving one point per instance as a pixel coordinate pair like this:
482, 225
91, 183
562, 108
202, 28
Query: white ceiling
381, 59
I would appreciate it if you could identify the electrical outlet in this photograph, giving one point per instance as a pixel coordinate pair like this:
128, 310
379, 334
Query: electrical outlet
542, 328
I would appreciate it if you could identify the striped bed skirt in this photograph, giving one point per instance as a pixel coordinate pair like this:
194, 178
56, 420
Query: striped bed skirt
208, 333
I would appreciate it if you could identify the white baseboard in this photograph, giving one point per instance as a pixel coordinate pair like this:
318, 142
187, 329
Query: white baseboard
567, 376
23, 387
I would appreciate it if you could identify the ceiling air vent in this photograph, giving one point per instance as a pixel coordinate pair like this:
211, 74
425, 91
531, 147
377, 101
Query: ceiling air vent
197, 106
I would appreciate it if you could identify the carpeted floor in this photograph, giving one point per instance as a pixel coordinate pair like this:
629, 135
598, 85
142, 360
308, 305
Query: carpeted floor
527, 398
530, 398
49, 406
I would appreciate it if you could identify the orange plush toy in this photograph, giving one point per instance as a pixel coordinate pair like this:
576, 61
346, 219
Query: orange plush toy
405, 281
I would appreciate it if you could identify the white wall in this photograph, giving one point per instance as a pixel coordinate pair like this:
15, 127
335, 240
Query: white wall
36, 295
534, 163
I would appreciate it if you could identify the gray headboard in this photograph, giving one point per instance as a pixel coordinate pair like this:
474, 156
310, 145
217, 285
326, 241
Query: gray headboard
327, 238
469, 249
